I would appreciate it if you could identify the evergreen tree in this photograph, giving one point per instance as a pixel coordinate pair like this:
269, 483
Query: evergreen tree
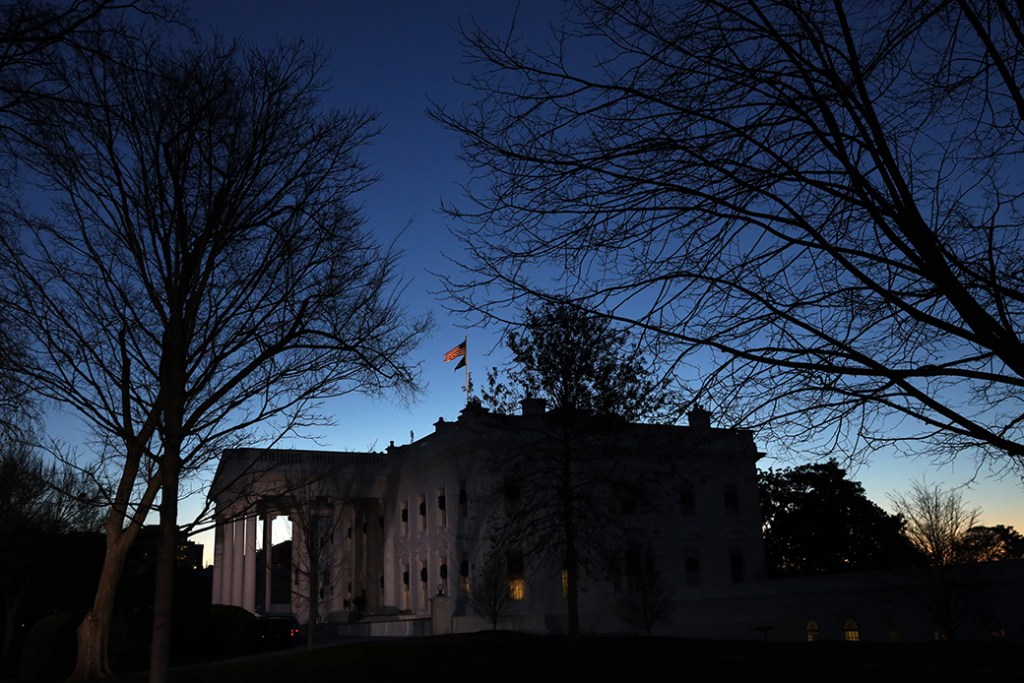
818, 521
563, 495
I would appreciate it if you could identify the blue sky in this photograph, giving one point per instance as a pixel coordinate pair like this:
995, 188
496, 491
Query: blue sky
395, 57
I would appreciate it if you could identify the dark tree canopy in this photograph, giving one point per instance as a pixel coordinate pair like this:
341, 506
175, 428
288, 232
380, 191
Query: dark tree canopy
567, 489
581, 365
994, 543
817, 521
821, 199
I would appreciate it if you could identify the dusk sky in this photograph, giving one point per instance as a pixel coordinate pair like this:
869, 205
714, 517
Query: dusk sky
395, 57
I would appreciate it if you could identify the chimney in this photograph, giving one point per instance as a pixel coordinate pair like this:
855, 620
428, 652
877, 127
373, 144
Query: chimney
533, 406
699, 418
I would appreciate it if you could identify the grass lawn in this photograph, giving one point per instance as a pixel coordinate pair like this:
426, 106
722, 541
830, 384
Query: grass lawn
503, 656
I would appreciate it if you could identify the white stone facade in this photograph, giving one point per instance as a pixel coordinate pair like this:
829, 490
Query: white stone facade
405, 533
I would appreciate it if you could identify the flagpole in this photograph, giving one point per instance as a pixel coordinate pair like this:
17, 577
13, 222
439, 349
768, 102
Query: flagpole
465, 341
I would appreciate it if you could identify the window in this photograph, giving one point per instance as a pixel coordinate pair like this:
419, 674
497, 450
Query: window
634, 567
565, 583
812, 631
732, 500
850, 631
442, 505
424, 580
511, 498
405, 517
405, 585
516, 577
687, 502
423, 513
736, 570
463, 501
442, 571
615, 571
691, 565
464, 575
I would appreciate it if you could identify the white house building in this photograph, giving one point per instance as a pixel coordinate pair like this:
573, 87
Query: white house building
402, 541
406, 533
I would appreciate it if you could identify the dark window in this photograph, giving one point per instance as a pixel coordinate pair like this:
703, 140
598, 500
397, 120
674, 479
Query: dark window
732, 500
736, 570
687, 501
692, 565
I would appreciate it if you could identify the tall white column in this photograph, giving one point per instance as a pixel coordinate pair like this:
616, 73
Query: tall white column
249, 570
228, 555
218, 562
268, 560
237, 560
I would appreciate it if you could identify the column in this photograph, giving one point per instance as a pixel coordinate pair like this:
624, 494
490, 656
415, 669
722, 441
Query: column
228, 555
237, 561
218, 562
249, 566
268, 560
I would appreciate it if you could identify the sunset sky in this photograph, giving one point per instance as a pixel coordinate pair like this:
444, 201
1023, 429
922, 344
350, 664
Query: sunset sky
395, 57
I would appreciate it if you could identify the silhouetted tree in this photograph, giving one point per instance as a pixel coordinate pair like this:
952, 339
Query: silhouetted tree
314, 509
648, 602
567, 485
816, 521
204, 274
33, 33
993, 543
39, 503
938, 523
491, 595
819, 196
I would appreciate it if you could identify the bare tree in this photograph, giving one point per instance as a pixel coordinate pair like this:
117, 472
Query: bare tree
816, 202
315, 505
204, 275
938, 524
492, 596
648, 601
32, 34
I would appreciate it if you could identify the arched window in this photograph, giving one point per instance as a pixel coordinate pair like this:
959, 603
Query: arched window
812, 631
850, 631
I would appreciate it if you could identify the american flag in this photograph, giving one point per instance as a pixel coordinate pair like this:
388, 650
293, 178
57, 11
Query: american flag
456, 352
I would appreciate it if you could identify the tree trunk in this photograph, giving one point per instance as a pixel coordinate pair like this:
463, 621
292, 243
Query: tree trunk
314, 602
163, 595
94, 631
572, 592
12, 604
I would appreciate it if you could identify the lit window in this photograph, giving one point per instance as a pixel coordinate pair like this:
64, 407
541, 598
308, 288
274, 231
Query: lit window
516, 577
517, 589
812, 631
850, 631
464, 575
565, 583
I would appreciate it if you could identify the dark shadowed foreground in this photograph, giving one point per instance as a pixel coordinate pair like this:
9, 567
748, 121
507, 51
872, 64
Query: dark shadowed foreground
503, 656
